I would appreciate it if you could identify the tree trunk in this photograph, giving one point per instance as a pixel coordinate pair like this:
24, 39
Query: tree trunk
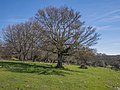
31, 56
60, 60
34, 58
19, 56
24, 57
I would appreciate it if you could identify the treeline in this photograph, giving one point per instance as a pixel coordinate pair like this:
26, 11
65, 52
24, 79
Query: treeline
104, 60
87, 57
42, 54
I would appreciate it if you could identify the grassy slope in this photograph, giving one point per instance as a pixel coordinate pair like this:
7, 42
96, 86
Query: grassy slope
41, 76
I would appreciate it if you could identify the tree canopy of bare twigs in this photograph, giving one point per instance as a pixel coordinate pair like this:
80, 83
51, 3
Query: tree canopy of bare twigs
63, 29
23, 37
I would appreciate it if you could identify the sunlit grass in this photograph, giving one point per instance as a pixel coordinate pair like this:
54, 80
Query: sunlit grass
43, 76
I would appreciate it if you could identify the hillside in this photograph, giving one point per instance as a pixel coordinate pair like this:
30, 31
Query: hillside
17, 75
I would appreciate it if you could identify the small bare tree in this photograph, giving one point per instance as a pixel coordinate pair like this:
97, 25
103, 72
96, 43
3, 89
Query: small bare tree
64, 30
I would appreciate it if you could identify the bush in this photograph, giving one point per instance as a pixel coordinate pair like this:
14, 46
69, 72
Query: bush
83, 66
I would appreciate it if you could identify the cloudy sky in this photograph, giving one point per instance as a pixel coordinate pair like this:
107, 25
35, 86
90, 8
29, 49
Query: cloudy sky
104, 15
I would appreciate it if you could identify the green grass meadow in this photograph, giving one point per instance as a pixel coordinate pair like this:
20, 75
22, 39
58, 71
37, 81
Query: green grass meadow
18, 75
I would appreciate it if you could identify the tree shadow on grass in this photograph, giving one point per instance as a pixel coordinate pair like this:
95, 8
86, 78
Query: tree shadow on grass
66, 69
22, 67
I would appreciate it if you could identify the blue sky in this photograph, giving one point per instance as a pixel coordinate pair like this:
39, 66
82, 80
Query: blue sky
102, 14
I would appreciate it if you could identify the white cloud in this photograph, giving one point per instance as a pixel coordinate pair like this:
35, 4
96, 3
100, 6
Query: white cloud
106, 15
112, 18
107, 28
109, 13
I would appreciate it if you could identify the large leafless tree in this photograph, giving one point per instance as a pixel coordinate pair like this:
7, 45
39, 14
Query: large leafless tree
64, 30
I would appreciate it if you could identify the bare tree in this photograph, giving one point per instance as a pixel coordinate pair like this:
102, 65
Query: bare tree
24, 37
35, 39
85, 55
64, 30
12, 37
